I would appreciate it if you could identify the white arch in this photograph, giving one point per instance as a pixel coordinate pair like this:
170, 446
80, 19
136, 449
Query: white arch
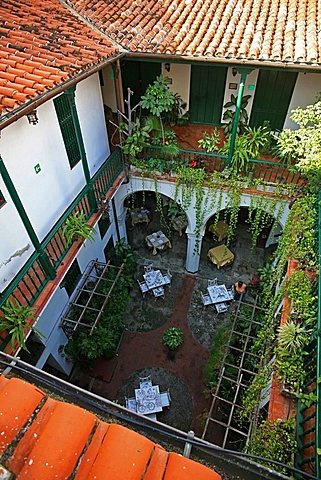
168, 188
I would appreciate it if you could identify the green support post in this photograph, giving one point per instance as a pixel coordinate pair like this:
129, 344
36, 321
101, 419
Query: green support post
43, 258
71, 98
244, 72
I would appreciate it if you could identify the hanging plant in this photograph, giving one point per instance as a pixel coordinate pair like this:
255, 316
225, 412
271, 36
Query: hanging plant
16, 321
76, 227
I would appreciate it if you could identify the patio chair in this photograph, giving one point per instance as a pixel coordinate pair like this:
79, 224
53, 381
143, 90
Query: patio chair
158, 292
230, 291
145, 381
165, 399
167, 278
131, 404
148, 268
206, 299
212, 282
221, 307
143, 287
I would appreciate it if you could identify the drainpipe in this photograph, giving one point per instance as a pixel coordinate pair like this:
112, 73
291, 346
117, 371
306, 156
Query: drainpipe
43, 258
70, 93
244, 72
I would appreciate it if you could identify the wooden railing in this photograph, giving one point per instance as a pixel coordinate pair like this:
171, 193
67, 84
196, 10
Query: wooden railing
32, 278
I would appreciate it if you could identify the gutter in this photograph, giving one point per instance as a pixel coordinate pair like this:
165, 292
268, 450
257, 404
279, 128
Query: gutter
230, 61
44, 97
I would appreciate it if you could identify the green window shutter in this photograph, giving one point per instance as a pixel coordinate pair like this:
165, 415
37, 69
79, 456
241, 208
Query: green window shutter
72, 278
67, 127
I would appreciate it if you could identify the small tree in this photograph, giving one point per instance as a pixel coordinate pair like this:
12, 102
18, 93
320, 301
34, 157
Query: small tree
158, 99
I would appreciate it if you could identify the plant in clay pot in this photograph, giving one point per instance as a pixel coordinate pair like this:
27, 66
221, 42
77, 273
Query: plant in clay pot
172, 339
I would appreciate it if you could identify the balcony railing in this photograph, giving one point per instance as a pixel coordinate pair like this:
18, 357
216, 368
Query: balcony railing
32, 278
268, 171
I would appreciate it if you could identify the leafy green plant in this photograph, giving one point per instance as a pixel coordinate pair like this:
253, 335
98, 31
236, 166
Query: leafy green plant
229, 114
77, 226
125, 255
134, 142
172, 338
158, 99
247, 146
17, 319
177, 115
209, 142
304, 143
292, 336
274, 440
174, 210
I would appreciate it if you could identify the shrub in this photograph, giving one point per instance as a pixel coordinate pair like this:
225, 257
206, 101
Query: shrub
173, 338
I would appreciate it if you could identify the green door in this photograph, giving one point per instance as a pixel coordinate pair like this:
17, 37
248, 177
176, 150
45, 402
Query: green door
207, 94
137, 76
272, 98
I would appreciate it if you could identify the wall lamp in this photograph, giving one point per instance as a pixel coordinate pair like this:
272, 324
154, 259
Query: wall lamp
32, 117
167, 67
234, 71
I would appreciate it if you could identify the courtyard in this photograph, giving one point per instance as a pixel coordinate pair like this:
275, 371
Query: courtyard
141, 352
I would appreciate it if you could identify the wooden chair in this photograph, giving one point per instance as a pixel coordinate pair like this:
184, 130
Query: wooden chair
165, 399
145, 381
148, 268
168, 278
131, 404
221, 307
158, 292
143, 287
206, 299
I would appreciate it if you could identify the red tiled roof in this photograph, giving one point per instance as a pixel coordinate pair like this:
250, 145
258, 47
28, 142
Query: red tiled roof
263, 30
43, 44
42, 438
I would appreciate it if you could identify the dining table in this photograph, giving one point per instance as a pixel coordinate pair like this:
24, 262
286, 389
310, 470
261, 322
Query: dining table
158, 241
220, 256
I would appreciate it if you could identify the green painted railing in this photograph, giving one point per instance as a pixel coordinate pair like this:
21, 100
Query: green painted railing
32, 279
308, 424
267, 170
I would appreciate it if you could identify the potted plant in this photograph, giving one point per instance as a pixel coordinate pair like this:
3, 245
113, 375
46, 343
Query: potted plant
77, 227
17, 318
172, 339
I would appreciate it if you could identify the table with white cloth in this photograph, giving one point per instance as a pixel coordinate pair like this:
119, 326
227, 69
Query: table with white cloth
158, 241
219, 294
154, 279
148, 399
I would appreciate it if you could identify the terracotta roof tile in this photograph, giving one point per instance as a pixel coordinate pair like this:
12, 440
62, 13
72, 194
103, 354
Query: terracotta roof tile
63, 440
264, 30
44, 43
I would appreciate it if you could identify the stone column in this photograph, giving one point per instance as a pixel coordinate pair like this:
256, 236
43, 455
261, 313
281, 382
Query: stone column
193, 258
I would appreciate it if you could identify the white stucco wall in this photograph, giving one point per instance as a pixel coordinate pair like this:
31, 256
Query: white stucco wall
108, 89
47, 194
180, 75
307, 86
89, 103
15, 244
49, 321
251, 79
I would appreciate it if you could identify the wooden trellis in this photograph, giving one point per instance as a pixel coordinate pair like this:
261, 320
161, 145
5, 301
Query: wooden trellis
94, 277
